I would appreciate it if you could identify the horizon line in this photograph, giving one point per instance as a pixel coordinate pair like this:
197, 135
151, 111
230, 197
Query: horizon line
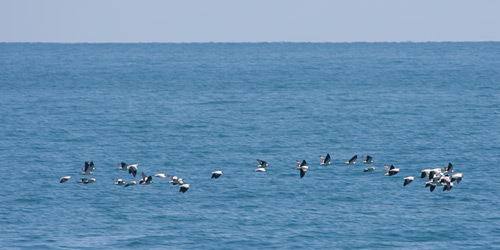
242, 42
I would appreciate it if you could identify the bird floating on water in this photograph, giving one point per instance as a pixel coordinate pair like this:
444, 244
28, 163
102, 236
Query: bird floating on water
130, 183
87, 180
120, 182
369, 169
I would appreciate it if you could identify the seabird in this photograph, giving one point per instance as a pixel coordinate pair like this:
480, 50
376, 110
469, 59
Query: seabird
298, 164
173, 179
260, 170
161, 175
435, 173
132, 169
87, 180
88, 168
408, 180
444, 180
130, 183
119, 182
352, 161
457, 177
425, 173
146, 180
448, 186
65, 179
391, 171
303, 168
180, 181
449, 169
262, 164
367, 159
184, 187
431, 185
122, 165
369, 169
216, 174
325, 161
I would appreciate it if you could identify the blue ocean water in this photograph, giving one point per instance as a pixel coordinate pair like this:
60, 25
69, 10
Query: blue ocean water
190, 109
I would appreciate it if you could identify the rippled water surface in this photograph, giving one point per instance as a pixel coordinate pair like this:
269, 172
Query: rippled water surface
189, 109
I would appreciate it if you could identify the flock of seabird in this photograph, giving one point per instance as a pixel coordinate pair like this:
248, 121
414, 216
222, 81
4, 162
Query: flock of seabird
445, 176
132, 170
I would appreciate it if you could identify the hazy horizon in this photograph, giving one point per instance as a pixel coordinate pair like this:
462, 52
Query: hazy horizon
225, 21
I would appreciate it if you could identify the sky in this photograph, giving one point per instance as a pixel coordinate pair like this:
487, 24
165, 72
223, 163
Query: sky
71, 21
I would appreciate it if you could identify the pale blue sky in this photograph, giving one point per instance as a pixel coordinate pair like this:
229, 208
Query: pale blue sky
248, 21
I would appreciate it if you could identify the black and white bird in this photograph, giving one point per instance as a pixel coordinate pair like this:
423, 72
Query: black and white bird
431, 185
352, 161
161, 175
260, 170
369, 169
180, 181
120, 182
435, 173
146, 180
122, 165
262, 164
367, 159
65, 179
173, 179
325, 160
184, 187
425, 173
89, 167
391, 170
408, 180
457, 177
132, 169
216, 174
448, 186
130, 183
87, 180
303, 168
449, 169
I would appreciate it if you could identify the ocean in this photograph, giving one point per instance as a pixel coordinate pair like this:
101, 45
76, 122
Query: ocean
190, 109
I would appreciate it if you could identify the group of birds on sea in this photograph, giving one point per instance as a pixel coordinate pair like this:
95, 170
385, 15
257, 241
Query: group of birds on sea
445, 176
133, 169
